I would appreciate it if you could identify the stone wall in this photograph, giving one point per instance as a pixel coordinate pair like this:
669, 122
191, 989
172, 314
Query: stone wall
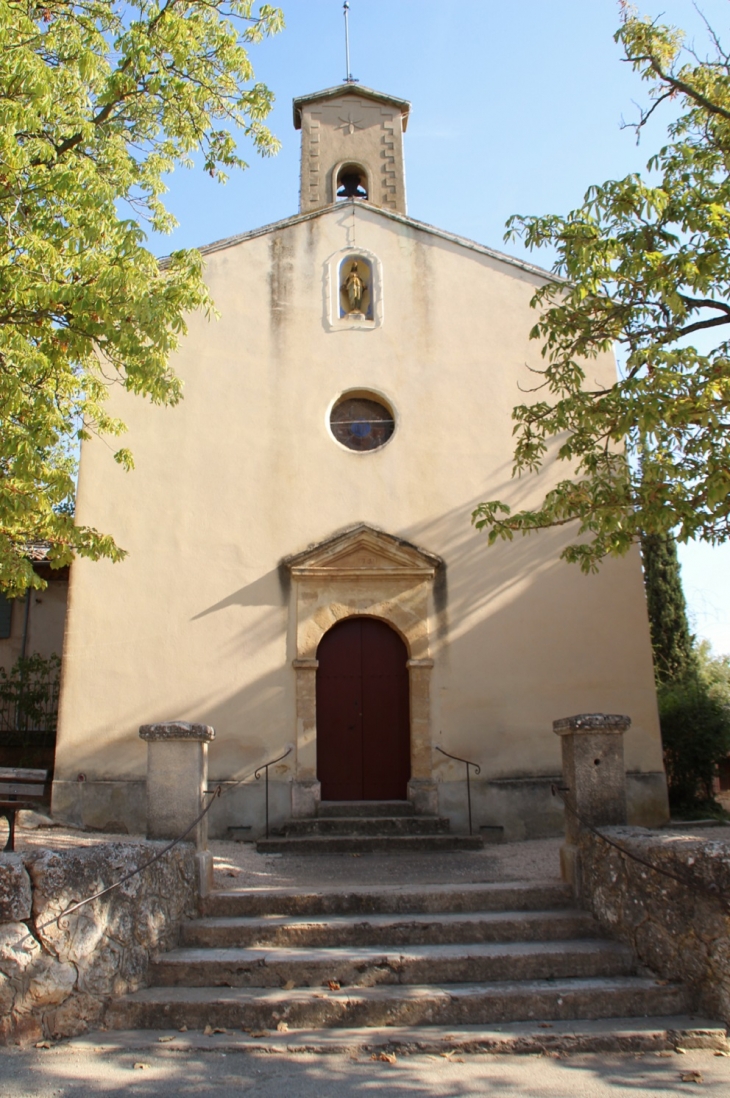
679, 930
59, 982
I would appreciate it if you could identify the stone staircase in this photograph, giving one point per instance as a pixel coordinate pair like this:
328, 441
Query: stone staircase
367, 827
455, 955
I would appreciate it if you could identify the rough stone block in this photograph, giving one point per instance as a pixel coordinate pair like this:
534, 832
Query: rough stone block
305, 798
18, 952
7, 995
176, 730
78, 1014
676, 921
59, 980
424, 797
15, 892
50, 982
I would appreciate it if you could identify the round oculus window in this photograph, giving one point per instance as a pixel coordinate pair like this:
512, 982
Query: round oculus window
361, 422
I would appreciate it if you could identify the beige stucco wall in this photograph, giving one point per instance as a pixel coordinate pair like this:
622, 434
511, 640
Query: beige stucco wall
198, 621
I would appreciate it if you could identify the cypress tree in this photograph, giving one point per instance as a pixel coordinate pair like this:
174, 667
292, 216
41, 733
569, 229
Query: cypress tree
671, 640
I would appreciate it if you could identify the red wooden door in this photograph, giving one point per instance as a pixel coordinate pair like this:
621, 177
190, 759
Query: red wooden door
363, 713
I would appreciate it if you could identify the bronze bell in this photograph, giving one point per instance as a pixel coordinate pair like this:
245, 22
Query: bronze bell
350, 186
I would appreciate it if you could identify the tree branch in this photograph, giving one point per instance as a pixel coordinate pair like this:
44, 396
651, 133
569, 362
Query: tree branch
686, 89
705, 303
698, 326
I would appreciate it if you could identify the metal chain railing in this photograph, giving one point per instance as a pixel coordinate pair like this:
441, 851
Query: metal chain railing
127, 876
214, 794
688, 880
477, 771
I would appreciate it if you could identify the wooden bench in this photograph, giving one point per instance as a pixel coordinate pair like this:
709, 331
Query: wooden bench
19, 788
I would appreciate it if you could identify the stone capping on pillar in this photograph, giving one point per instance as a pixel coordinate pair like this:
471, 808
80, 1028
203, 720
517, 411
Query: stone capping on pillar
176, 730
592, 722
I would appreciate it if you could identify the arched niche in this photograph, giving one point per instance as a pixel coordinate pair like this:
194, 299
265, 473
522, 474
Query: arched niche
350, 180
339, 313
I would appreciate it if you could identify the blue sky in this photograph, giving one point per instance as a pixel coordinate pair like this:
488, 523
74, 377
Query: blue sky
517, 108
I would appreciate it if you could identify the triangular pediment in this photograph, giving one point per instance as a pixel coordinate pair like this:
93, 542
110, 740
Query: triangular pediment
364, 551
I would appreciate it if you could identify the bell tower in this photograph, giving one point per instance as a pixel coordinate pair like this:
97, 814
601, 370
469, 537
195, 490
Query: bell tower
352, 147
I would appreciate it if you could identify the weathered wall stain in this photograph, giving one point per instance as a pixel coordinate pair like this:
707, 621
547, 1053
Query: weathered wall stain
281, 277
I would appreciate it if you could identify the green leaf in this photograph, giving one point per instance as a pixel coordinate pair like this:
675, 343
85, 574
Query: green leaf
101, 99
647, 264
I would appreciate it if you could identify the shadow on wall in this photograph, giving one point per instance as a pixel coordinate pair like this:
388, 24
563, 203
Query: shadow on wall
271, 589
503, 608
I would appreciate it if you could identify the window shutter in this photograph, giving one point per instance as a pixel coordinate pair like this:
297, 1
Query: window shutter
6, 617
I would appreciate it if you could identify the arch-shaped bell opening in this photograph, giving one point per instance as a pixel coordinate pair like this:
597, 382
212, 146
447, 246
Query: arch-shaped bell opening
352, 182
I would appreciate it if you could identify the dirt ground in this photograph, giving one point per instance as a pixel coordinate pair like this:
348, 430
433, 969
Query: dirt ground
76, 1070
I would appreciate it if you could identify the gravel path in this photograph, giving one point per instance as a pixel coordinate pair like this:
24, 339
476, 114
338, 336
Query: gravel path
238, 865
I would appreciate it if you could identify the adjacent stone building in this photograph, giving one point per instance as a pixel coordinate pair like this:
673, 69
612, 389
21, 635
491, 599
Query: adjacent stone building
34, 624
302, 569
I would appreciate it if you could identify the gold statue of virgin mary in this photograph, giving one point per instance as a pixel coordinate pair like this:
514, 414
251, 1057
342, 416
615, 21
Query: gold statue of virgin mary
355, 289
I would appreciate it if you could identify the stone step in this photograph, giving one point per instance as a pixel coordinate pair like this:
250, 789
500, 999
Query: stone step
368, 900
365, 808
396, 1005
368, 967
388, 930
643, 1034
374, 844
368, 825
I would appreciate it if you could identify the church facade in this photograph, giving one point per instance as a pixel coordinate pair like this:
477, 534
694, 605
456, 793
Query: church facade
302, 571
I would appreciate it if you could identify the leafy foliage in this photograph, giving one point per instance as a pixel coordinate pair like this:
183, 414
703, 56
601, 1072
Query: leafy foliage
696, 736
100, 99
693, 686
671, 640
644, 265
714, 672
29, 695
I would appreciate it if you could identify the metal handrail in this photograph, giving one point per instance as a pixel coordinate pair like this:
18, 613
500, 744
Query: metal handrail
467, 763
257, 775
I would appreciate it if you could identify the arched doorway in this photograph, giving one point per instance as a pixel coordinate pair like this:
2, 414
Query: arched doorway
363, 713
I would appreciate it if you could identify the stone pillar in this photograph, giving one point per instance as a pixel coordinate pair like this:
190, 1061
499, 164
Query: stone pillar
306, 790
594, 777
177, 777
422, 790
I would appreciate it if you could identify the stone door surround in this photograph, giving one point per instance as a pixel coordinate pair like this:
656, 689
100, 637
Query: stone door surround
362, 571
